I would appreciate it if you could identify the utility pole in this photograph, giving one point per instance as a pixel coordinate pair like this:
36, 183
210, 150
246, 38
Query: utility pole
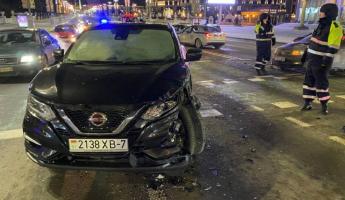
80, 5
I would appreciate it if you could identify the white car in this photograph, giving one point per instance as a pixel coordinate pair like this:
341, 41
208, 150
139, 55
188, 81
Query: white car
201, 36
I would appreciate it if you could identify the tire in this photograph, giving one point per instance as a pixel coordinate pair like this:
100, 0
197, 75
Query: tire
195, 136
218, 46
198, 43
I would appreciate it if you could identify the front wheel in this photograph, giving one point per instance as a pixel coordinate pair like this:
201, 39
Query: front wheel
195, 138
198, 43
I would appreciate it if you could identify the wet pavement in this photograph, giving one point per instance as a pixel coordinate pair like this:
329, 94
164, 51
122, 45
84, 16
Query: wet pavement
259, 145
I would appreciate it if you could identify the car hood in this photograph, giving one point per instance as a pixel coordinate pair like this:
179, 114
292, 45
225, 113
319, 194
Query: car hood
294, 45
108, 85
19, 49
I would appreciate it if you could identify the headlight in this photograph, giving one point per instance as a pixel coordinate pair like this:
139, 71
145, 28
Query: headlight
27, 59
158, 110
297, 52
39, 109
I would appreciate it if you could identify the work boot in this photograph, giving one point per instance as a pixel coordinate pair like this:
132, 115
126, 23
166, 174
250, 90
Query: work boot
258, 71
324, 109
264, 72
307, 106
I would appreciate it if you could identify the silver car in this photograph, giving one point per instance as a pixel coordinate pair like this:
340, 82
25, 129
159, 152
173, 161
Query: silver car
201, 36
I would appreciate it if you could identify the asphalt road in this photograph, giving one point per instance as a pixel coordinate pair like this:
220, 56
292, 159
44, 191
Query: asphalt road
259, 145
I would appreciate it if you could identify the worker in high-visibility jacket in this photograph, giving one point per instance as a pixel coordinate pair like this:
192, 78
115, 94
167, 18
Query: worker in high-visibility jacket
324, 44
264, 41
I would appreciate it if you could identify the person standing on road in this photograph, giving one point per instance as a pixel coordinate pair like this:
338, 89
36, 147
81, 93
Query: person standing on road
264, 41
324, 44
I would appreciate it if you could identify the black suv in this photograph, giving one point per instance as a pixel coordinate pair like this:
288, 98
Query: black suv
120, 98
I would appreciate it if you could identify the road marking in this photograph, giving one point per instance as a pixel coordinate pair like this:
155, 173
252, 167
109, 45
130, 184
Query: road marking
206, 83
265, 76
298, 122
225, 56
285, 104
341, 96
202, 61
210, 113
257, 108
11, 134
280, 77
229, 82
256, 79
337, 139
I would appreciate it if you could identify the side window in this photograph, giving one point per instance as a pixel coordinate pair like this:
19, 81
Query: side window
188, 30
45, 38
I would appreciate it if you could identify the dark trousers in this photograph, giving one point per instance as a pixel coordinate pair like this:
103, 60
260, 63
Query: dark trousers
316, 83
263, 54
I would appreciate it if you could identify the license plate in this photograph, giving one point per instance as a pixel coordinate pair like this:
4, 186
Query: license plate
278, 58
98, 145
6, 69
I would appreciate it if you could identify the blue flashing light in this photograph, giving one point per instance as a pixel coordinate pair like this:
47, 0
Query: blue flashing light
104, 21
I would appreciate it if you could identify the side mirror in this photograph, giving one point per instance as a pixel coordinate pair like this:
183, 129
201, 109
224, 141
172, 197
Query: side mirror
47, 42
193, 55
58, 55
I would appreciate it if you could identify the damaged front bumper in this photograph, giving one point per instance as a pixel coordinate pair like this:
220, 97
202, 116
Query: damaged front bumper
153, 146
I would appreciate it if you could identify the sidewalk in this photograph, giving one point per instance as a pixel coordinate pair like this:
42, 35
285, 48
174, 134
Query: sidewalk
284, 33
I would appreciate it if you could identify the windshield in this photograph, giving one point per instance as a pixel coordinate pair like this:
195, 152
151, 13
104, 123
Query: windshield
124, 45
16, 37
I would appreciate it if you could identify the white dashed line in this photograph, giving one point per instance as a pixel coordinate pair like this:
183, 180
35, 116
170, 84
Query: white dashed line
341, 96
207, 83
256, 108
11, 134
285, 104
226, 56
280, 77
298, 122
229, 82
256, 79
337, 139
210, 113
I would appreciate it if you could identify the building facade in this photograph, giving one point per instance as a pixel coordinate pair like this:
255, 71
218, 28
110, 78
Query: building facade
313, 7
280, 10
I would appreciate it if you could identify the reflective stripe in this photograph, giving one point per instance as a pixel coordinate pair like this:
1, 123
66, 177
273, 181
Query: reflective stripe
325, 98
309, 88
309, 97
320, 53
260, 63
321, 90
266, 39
323, 43
257, 67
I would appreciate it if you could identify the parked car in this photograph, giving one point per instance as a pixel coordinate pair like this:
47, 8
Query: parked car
290, 55
202, 35
118, 101
67, 31
23, 52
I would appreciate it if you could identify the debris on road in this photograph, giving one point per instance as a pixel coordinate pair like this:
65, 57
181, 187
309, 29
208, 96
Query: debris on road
208, 188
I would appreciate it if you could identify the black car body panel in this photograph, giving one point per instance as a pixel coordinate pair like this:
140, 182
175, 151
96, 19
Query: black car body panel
72, 83
124, 94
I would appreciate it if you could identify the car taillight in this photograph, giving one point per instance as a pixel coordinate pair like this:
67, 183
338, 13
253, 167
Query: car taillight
208, 35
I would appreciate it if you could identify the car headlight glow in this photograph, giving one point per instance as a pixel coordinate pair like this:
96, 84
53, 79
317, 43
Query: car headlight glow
27, 59
158, 110
297, 52
39, 109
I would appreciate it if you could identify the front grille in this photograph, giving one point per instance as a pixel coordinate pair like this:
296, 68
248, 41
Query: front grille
114, 115
8, 61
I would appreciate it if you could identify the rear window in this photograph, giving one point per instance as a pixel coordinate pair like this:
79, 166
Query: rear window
129, 44
208, 29
64, 29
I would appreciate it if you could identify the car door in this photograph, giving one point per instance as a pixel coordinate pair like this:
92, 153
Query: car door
47, 46
184, 36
